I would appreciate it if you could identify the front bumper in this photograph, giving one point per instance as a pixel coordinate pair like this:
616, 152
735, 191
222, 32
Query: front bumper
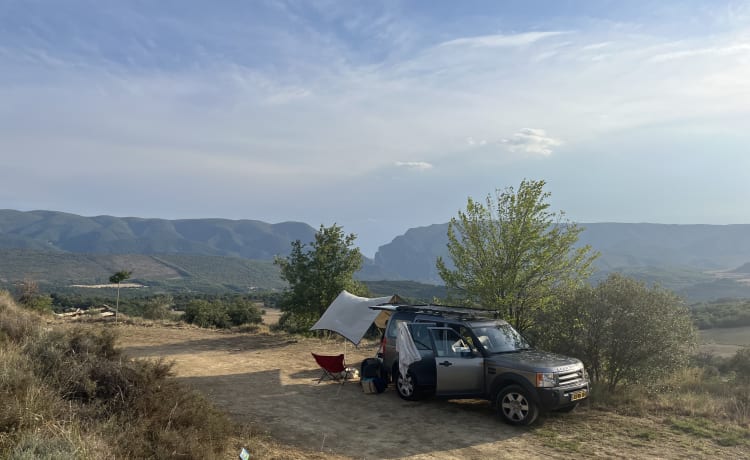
555, 398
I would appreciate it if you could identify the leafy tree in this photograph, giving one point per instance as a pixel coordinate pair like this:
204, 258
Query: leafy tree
623, 330
316, 275
511, 253
118, 278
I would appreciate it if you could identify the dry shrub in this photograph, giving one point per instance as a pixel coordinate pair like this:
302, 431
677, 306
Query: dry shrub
169, 420
52, 383
37, 446
149, 415
16, 324
691, 392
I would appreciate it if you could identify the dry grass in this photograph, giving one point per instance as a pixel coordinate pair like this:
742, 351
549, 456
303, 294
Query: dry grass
67, 392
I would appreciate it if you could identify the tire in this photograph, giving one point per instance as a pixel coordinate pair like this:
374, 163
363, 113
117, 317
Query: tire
516, 406
407, 387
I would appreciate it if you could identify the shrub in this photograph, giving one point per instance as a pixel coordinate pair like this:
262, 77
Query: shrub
36, 446
16, 325
244, 312
621, 329
220, 313
739, 364
158, 308
206, 314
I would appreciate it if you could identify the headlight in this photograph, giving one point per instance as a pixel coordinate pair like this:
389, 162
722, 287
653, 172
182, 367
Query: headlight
546, 380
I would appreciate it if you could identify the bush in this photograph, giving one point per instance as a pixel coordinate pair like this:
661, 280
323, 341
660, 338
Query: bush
621, 329
54, 383
244, 312
16, 325
221, 313
158, 308
206, 314
739, 364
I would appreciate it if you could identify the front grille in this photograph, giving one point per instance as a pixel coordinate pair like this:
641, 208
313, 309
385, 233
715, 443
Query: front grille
570, 378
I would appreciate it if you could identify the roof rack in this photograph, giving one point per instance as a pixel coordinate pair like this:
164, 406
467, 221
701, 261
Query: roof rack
461, 312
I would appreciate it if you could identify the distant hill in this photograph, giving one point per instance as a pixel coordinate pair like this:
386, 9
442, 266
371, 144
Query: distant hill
701, 262
744, 269
57, 231
679, 257
622, 246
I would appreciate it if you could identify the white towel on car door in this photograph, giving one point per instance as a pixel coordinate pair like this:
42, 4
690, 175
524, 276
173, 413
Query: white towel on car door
407, 350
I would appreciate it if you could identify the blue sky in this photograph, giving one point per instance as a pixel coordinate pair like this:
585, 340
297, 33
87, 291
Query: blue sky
378, 116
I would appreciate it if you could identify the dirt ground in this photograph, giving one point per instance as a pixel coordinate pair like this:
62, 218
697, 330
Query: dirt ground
269, 381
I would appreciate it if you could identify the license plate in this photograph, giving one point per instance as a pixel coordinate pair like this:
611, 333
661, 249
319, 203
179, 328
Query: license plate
576, 395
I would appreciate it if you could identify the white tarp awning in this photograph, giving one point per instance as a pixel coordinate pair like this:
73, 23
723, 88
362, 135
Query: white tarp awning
350, 316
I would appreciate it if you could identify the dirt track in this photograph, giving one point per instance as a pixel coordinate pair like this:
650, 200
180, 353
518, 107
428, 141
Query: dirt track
270, 381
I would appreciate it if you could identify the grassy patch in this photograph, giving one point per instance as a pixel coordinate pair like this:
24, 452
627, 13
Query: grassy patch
554, 439
721, 434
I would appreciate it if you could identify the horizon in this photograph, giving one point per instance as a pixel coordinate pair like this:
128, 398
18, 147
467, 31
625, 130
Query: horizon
356, 242
379, 117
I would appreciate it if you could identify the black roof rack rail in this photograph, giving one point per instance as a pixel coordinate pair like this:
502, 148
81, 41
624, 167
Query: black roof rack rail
450, 310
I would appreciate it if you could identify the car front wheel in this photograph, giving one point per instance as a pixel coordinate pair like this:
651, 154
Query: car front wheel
516, 406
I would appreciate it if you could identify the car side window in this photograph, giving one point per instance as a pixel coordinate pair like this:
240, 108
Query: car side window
420, 334
448, 343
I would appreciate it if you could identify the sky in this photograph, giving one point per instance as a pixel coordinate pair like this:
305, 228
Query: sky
375, 115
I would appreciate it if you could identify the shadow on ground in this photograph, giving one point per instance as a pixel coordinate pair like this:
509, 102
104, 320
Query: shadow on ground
331, 417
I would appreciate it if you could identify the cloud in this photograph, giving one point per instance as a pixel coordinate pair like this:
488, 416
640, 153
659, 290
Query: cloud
532, 140
418, 165
470, 141
734, 48
501, 40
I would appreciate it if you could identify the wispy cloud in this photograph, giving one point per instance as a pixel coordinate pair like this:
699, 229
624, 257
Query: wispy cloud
502, 40
532, 140
417, 165
718, 51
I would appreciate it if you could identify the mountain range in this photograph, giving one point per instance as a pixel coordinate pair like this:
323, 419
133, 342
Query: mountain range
705, 261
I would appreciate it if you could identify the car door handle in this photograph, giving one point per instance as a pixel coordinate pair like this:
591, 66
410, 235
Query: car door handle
446, 363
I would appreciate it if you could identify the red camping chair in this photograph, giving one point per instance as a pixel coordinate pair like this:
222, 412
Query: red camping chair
333, 367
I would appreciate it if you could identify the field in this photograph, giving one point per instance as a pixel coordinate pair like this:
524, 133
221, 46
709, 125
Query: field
725, 341
268, 381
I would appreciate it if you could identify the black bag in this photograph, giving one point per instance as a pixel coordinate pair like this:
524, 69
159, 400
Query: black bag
371, 368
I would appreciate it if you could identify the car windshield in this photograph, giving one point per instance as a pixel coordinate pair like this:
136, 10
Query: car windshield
500, 338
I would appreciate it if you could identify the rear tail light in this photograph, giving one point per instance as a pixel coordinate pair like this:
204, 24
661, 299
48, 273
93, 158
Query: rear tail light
381, 350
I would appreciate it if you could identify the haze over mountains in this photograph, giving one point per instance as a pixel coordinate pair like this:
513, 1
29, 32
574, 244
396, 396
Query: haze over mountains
702, 261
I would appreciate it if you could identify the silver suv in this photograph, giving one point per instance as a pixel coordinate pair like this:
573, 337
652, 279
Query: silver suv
466, 353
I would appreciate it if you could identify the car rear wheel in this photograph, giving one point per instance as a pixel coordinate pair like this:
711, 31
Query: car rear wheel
407, 386
516, 406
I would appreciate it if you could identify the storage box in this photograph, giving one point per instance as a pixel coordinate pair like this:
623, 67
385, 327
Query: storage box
368, 386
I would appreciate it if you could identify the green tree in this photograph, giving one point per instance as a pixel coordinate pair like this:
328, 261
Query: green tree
623, 330
511, 254
118, 278
316, 275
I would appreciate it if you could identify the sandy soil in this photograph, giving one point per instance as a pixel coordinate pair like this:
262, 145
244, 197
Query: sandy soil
269, 380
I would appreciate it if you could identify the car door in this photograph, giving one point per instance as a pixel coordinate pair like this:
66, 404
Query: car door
459, 370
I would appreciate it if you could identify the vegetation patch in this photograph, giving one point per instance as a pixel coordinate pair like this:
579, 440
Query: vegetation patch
721, 434
68, 392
